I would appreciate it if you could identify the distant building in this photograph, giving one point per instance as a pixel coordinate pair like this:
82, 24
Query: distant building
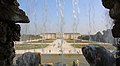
57, 35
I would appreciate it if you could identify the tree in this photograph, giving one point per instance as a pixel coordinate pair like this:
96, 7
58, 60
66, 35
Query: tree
83, 37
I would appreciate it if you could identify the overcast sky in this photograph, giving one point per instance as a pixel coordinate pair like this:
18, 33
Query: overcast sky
92, 16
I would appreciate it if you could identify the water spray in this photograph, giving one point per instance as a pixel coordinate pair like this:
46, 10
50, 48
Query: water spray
76, 13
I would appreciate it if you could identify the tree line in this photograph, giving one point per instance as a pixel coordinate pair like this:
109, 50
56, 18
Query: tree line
105, 36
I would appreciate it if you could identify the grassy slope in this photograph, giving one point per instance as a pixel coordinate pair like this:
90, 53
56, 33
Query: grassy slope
110, 47
30, 46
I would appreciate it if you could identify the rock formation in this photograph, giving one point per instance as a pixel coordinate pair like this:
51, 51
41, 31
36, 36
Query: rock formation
29, 59
9, 12
98, 56
114, 12
9, 31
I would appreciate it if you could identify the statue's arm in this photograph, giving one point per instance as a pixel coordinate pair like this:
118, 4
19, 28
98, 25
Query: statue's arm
108, 3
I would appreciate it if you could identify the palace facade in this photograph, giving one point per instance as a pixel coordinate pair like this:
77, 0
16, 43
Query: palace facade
58, 35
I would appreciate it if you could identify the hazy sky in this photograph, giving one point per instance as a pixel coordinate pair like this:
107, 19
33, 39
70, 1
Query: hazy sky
92, 9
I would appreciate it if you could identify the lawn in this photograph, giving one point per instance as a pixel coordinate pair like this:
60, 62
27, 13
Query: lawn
78, 41
109, 47
30, 46
40, 41
77, 45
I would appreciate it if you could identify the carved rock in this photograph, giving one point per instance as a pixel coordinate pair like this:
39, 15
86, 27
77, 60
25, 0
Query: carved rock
98, 56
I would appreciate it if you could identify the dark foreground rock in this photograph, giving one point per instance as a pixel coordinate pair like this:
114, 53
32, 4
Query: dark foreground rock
114, 12
9, 12
98, 56
29, 59
9, 31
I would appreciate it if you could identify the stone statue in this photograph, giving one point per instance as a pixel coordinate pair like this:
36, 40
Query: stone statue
98, 56
29, 59
9, 31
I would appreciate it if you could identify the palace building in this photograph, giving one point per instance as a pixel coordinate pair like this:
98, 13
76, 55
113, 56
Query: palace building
58, 35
